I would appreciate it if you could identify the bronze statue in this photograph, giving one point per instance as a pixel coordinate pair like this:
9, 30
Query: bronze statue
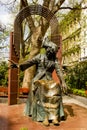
45, 97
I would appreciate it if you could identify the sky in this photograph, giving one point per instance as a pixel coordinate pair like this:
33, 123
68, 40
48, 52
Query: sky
5, 17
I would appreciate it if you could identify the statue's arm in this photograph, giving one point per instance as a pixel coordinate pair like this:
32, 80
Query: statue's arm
28, 64
58, 69
23, 66
59, 72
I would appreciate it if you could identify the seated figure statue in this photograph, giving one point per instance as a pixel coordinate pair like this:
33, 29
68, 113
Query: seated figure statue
44, 101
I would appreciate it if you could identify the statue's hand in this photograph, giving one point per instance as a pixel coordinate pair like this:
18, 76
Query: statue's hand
13, 64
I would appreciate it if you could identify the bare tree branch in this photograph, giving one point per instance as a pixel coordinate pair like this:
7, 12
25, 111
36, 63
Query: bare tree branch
57, 6
54, 9
2, 47
43, 21
51, 4
72, 8
2, 27
23, 3
29, 20
46, 3
7, 3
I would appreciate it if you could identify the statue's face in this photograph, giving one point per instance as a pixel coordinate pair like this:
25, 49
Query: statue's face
50, 52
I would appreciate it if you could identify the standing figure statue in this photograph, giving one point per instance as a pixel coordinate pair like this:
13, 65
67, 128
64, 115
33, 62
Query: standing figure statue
44, 101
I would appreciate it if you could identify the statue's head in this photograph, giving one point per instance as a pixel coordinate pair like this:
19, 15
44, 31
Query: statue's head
49, 44
51, 48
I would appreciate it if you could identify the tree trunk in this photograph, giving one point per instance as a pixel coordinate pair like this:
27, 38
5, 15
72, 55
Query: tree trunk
35, 49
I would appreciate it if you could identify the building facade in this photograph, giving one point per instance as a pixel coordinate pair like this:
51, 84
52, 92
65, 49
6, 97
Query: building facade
73, 29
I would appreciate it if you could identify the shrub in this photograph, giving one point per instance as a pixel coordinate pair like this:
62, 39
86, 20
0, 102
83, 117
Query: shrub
80, 92
77, 76
4, 74
21, 75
